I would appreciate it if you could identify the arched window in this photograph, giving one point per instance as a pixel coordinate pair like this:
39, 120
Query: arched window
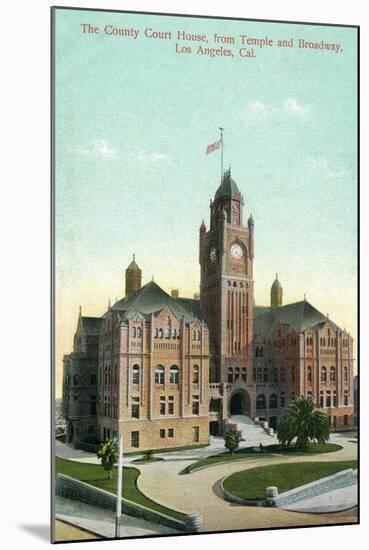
323, 375
174, 374
257, 351
134, 332
230, 376
195, 374
160, 333
309, 374
283, 374
332, 374
237, 374
273, 401
156, 332
139, 332
345, 374
174, 333
159, 374
244, 375
261, 352
198, 335
194, 334
260, 401
135, 374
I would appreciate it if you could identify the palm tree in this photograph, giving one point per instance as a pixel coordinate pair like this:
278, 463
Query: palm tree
304, 422
108, 454
231, 441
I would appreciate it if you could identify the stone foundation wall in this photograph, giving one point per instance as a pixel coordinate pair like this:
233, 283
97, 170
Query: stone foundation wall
75, 489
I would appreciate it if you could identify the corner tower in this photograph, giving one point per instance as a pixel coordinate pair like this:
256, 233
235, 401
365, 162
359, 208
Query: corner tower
227, 287
133, 277
276, 293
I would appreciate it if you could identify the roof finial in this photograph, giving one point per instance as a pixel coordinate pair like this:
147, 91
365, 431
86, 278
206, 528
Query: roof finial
152, 278
304, 297
109, 303
276, 276
134, 256
80, 311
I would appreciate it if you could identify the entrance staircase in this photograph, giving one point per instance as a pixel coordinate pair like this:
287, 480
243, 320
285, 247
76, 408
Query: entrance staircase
252, 433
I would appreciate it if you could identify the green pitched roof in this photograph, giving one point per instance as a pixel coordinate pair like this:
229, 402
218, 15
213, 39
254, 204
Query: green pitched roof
150, 299
192, 306
298, 316
91, 325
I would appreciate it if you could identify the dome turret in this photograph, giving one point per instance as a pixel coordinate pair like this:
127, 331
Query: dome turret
276, 293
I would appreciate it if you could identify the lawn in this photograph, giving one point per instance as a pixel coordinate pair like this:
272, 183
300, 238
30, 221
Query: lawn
314, 448
95, 475
251, 484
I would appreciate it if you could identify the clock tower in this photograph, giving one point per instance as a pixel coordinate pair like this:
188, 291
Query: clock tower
227, 287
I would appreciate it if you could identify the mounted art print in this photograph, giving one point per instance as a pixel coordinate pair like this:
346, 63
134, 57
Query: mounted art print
205, 199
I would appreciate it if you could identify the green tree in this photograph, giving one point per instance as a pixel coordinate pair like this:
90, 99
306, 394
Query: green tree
303, 422
231, 441
108, 453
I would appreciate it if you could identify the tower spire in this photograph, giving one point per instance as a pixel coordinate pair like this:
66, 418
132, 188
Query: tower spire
276, 293
133, 277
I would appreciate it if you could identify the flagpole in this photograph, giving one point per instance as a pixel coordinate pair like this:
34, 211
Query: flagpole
221, 154
118, 511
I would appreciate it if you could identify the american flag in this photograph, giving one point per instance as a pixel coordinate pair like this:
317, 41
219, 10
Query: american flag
213, 146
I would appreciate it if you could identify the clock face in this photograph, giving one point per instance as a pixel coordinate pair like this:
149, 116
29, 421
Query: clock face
236, 251
213, 254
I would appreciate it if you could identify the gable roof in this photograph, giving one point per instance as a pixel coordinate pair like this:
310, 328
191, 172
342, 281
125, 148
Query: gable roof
297, 316
192, 306
151, 298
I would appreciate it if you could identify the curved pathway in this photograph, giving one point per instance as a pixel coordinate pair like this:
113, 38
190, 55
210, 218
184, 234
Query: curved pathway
200, 492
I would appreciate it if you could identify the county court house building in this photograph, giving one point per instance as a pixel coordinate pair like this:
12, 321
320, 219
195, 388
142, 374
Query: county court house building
164, 371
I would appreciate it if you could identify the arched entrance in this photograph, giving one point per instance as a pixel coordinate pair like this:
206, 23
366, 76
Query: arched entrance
240, 403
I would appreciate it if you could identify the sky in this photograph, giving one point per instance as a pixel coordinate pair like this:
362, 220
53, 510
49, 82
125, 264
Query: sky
133, 119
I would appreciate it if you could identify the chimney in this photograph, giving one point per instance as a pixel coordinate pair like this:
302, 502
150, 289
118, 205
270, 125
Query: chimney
174, 293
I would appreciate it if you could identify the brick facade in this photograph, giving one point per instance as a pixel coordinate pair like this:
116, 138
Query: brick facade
166, 371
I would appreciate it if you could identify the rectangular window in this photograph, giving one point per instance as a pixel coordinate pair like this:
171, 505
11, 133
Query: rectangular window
328, 400
93, 404
195, 434
75, 380
162, 404
75, 397
135, 410
135, 439
345, 398
162, 434
195, 405
334, 399
170, 404
265, 375
170, 432
283, 400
